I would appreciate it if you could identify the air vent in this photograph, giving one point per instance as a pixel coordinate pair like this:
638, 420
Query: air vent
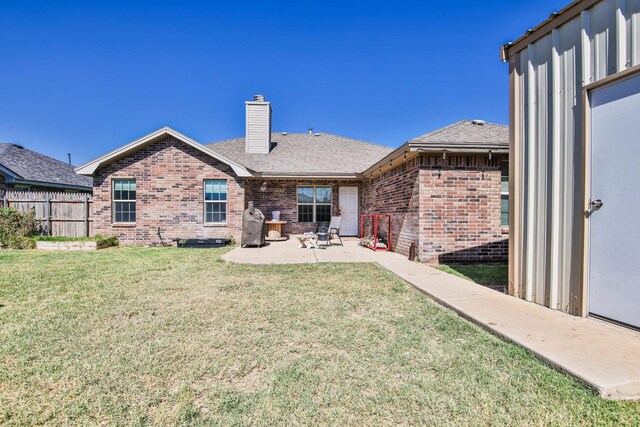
284, 133
317, 134
18, 146
478, 122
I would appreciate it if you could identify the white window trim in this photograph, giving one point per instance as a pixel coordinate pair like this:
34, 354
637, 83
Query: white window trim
113, 202
205, 201
314, 204
504, 193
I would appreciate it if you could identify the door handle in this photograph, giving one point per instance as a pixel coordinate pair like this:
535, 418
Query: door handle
596, 204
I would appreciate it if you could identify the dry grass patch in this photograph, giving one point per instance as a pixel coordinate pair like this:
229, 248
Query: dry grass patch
148, 336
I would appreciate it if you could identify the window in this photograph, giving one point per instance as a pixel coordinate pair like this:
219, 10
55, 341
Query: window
124, 200
215, 201
504, 168
314, 204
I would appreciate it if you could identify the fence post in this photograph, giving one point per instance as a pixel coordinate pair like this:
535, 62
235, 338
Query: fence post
86, 215
4, 201
47, 212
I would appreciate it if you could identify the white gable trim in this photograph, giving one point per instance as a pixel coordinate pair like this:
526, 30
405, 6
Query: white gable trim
91, 167
9, 173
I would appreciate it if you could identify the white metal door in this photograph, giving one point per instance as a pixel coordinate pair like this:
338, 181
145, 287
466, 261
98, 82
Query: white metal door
614, 276
348, 204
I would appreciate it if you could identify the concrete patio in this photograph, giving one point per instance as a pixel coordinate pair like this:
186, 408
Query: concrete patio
287, 252
605, 357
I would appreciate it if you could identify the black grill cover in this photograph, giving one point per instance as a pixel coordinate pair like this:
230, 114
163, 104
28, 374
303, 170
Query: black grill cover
252, 227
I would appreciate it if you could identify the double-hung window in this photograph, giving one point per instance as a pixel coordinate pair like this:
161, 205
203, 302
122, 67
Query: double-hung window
504, 195
215, 201
124, 200
314, 204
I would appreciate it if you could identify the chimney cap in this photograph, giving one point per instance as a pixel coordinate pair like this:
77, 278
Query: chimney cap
258, 98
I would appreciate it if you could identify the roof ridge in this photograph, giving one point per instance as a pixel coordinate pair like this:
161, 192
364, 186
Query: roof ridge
240, 138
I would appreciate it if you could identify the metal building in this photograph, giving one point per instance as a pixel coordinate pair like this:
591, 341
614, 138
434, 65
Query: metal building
574, 150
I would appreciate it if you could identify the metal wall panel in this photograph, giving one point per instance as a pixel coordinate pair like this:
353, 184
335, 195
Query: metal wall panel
550, 75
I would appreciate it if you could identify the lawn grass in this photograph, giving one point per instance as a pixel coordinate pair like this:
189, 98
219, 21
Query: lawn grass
159, 336
483, 274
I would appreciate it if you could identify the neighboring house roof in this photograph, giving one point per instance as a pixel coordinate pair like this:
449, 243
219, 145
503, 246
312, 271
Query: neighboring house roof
466, 136
22, 165
305, 155
92, 166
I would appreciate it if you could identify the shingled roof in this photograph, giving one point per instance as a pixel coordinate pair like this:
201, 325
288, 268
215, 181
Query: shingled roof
303, 154
465, 134
25, 165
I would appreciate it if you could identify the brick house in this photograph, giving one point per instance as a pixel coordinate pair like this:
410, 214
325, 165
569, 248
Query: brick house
168, 181
447, 192
27, 170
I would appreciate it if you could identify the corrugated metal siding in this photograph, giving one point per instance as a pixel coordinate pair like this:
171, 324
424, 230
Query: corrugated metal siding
550, 75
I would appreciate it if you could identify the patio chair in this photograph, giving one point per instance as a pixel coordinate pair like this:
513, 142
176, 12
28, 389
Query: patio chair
323, 237
334, 228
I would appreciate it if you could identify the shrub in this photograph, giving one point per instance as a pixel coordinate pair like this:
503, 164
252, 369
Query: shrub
106, 241
17, 228
21, 242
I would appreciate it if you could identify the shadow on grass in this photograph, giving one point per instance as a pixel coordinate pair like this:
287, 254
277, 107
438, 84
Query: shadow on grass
491, 275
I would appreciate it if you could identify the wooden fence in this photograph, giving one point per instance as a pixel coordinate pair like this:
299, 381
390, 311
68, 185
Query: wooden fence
64, 214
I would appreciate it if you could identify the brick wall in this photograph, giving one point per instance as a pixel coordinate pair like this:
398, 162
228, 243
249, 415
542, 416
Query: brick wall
460, 210
450, 207
280, 195
169, 185
396, 193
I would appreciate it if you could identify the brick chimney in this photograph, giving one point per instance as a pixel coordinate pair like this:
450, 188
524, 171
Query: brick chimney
258, 136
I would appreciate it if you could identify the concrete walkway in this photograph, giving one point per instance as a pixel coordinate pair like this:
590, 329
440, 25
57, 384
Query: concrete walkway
601, 355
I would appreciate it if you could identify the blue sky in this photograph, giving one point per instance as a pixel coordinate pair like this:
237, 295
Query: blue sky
86, 77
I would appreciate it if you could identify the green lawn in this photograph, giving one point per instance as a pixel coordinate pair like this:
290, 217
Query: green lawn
483, 274
139, 336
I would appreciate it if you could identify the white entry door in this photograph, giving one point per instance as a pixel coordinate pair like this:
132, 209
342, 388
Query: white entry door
348, 205
614, 274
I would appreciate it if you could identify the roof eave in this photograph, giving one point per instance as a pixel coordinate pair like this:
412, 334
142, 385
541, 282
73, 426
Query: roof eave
52, 184
555, 20
90, 168
460, 149
412, 148
9, 173
400, 151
